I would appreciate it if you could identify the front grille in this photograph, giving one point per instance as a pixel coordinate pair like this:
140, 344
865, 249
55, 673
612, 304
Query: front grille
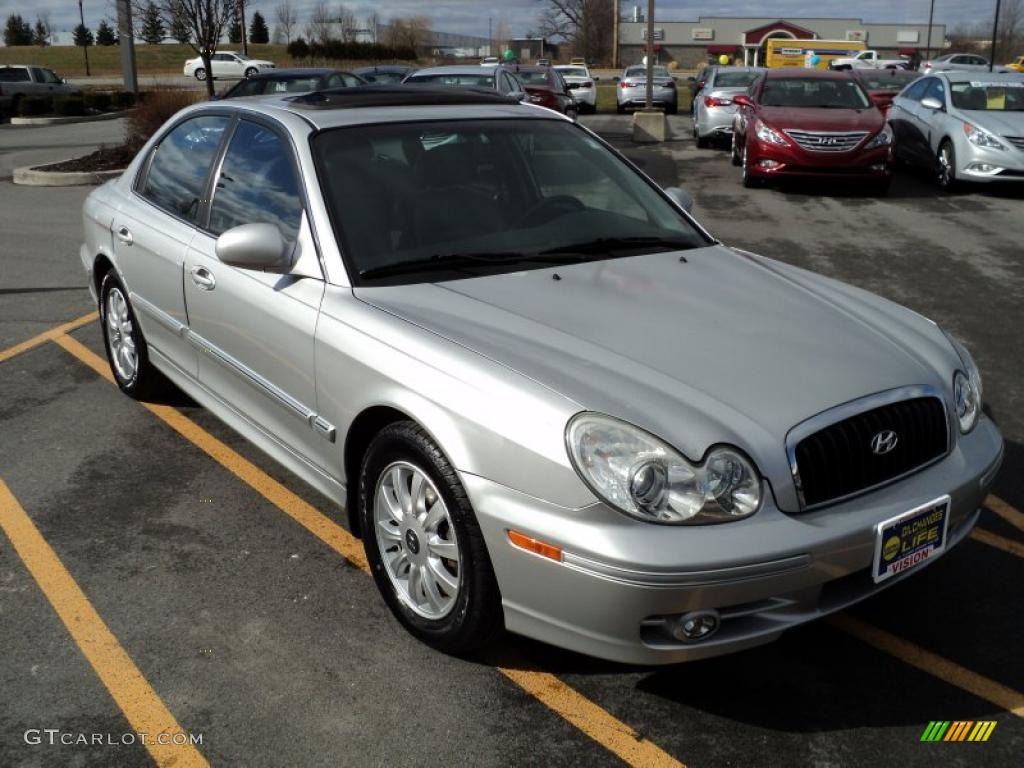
817, 141
839, 460
1017, 141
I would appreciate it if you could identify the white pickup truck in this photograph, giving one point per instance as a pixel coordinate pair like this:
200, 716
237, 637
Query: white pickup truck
868, 60
18, 81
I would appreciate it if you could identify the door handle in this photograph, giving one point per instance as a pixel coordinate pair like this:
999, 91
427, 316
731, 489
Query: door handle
124, 235
203, 278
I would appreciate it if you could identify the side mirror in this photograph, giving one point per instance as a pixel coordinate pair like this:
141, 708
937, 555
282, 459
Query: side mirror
680, 197
254, 246
743, 100
517, 95
932, 103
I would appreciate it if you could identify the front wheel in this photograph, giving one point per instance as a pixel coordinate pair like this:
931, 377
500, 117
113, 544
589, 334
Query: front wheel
945, 170
200, 74
423, 543
734, 153
749, 180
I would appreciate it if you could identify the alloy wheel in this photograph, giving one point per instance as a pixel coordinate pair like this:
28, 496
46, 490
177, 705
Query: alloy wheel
946, 172
120, 338
417, 541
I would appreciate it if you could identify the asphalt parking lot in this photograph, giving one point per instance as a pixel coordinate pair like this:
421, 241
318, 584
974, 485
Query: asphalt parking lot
168, 576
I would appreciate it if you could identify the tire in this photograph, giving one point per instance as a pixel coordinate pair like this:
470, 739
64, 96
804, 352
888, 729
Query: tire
124, 344
200, 74
735, 158
945, 167
703, 142
620, 109
749, 181
456, 620
250, 72
672, 109
880, 188
15, 104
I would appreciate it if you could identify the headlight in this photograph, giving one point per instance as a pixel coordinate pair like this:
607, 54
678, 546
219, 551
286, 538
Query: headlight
979, 137
646, 478
764, 133
967, 388
882, 139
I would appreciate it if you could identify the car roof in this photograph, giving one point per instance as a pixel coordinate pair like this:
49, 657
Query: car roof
726, 70
385, 68
788, 73
454, 69
967, 76
284, 74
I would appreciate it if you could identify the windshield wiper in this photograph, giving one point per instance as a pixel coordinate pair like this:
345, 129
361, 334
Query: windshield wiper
461, 261
604, 245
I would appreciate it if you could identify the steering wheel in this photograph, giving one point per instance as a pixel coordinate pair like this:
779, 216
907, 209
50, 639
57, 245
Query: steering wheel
548, 208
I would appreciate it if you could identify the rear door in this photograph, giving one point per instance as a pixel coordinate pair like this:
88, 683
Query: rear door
255, 330
153, 229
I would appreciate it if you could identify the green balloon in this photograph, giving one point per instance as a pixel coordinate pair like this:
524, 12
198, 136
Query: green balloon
508, 55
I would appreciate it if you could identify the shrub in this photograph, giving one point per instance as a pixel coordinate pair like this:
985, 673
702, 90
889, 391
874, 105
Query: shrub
298, 49
34, 106
69, 106
122, 100
98, 100
154, 109
339, 50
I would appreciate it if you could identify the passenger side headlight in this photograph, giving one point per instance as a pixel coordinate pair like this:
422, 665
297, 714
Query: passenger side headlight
647, 479
882, 139
979, 137
765, 133
967, 388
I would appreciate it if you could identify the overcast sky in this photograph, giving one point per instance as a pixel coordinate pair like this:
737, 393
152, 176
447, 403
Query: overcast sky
470, 16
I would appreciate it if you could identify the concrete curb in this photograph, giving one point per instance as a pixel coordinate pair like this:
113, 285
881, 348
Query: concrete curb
68, 120
34, 177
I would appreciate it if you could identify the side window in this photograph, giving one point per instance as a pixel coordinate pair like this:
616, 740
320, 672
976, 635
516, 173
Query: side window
180, 164
50, 76
351, 80
254, 87
257, 183
14, 75
503, 83
936, 90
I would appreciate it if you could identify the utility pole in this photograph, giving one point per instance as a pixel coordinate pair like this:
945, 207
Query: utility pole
995, 34
245, 36
85, 48
650, 54
615, 36
931, 15
126, 40
490, 35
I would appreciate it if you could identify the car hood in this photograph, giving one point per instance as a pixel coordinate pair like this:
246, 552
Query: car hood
721, 347
839, 120
1000, 123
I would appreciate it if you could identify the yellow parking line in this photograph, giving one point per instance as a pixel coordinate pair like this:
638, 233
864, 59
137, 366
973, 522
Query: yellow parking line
944, 669
560, 698
133, 694
997, 541
1005, 511
45, 336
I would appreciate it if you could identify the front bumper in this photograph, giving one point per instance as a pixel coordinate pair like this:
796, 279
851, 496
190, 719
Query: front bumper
794, 161
715, 120
622, 583
586, 96
1005, 164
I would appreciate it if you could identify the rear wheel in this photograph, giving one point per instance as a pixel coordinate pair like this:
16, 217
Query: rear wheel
423, 543
945, 167
126, 348
200, 74
620, 109
672, 109
251, 71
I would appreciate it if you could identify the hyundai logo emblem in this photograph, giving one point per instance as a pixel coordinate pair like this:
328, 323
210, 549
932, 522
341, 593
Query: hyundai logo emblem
884, 442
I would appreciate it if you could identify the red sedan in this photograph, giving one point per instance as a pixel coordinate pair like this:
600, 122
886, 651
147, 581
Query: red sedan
882, 85
804, 122
545, 86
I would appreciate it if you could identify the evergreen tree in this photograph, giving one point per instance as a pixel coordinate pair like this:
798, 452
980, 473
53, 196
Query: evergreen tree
258, 32
105, 34
41, 35
180, 29
83, 36
17, 31
153, 30
235, 32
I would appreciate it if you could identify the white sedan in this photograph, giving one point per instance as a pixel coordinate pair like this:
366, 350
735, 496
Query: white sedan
581, 84
226, 64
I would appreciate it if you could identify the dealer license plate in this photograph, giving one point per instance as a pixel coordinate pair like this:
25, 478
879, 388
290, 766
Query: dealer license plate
905, 541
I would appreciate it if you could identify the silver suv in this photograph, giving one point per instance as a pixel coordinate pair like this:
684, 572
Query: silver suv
547, 398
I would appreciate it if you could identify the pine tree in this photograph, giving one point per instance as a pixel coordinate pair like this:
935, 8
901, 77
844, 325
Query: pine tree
153, 30
17, 31
83, 36
41, 35
180, 29
105, 34
258, 32
235, 32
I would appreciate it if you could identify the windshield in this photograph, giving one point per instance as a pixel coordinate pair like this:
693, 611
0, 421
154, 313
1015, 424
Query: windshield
734, 79
534, 78
887, 80
424, 202
981, 96
241, 57
814, 93
483, 79
573, 71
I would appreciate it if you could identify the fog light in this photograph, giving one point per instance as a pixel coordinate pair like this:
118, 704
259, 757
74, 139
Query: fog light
878, 167
769, 163
696, 626
983, 168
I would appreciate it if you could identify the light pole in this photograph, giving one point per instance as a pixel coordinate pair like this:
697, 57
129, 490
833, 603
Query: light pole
85, 40
650, 54
995, 33
245, 37
928, 49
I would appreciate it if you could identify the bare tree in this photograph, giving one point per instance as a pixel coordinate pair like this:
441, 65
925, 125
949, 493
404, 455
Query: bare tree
318, 29
373, 26
587, 24
502, 34
287, 19
347, 27
1011, 29
207, 20
407, 32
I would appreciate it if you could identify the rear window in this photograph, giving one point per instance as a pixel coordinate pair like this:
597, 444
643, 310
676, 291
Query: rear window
483, 80
888, 80
14, 75
735, 79
573, 72
534, 78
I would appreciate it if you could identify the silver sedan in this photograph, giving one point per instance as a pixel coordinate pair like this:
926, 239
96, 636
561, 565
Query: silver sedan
546, 398
632, 89
965, 126
713, 108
